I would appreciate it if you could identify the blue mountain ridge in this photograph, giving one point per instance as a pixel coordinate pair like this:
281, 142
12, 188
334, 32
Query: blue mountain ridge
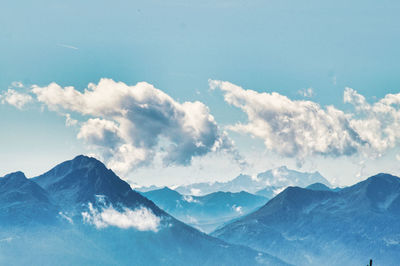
61, 237
205, 212
320, 227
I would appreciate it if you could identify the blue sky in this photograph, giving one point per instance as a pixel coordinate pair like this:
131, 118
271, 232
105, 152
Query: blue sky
177, 46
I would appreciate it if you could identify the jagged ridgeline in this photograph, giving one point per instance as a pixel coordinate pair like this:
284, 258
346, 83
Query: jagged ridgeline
81, 213
318, 226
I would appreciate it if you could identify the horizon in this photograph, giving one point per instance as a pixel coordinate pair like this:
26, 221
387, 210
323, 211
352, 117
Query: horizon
173, 187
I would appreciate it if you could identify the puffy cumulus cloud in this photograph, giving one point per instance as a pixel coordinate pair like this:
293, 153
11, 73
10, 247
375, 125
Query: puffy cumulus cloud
141, 219
14, 98
379, 123
130, 124
303, 128
292, 128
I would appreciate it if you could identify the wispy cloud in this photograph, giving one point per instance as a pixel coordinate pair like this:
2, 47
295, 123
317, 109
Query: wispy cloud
307, 92
68, 46
15, 98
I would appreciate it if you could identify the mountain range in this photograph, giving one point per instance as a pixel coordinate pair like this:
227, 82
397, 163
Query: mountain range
205, 212
81, 213
267, 184
324, 227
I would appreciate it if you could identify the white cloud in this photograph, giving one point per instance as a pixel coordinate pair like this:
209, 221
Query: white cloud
189, 198
69, 121
304, 128
307, 92
379, 123
17, 84
237, 209
64, 216
141, 219
68, 46
15, 98
292, 128
130, 124
195, 191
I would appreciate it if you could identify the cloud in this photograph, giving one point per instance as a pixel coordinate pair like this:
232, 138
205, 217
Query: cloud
68, 46
195, 191
237, 209
17, 84
69, 122
307, 92
189, 199
304, 128
64, 216
14, 98
379, 123
130, 124
141, 219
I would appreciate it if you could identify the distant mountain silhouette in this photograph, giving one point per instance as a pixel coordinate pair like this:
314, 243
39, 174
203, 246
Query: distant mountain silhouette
264, 184
205, 212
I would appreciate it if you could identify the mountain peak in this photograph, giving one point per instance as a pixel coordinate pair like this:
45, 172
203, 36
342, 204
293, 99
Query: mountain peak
15, 175
82, 161
14, 179
384, 176
318, 186
80, 179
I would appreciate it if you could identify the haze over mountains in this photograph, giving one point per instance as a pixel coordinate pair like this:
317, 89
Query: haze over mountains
205, 212
273, 180
80, 212
322, 227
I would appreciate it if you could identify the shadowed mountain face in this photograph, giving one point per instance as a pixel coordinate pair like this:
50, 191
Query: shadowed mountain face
83, 214
23, 202
319, 227
272, 181
81, 180
205, 212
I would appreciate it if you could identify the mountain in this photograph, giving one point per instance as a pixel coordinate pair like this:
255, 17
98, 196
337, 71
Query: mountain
320, 227
74, 183
205, 212
272, 180
23, 201
318, 186
97, 219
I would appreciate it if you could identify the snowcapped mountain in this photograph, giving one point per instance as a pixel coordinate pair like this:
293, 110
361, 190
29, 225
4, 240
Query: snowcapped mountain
205, 212
274, 181
320, 227
81, 213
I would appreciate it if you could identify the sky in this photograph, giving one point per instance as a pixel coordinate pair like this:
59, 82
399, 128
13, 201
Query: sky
176, 92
